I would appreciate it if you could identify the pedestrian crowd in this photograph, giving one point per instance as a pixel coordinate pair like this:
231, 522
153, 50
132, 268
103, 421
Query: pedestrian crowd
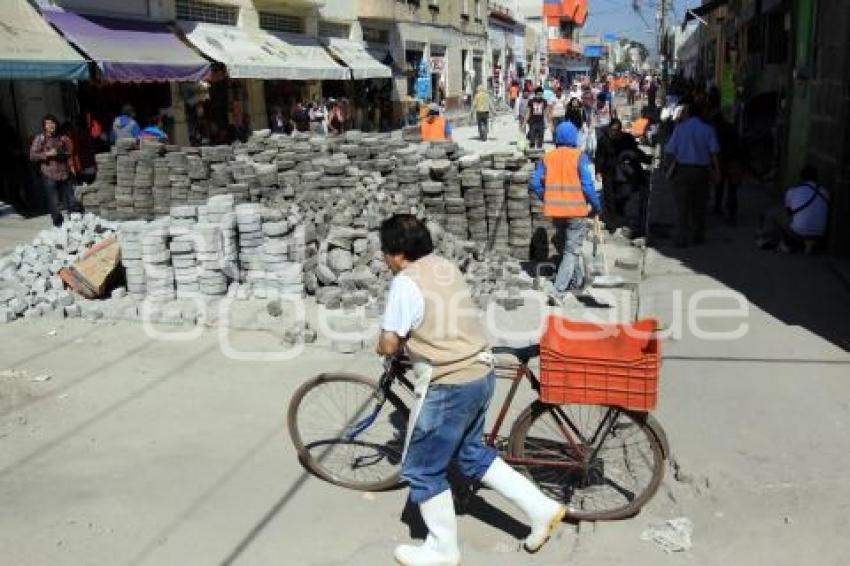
706, 164
330, 117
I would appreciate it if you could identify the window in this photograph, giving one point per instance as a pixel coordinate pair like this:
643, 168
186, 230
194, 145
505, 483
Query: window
478, 10
376, 35
281, 22
200, 11
333, 29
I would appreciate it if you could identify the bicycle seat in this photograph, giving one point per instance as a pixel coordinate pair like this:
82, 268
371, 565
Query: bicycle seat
523, 354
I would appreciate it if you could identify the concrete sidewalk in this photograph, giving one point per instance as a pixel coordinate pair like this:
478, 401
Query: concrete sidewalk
16, 229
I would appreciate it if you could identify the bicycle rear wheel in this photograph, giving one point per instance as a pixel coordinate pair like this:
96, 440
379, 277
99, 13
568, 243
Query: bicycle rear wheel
619, 460
343, 434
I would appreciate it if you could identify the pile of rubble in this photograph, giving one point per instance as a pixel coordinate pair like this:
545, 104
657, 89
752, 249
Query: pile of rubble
282, 216
30, 286
469, 195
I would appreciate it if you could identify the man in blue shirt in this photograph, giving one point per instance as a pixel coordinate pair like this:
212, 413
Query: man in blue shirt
694, 150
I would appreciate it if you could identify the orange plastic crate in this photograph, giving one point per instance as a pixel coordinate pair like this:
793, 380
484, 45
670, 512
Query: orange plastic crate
592, 364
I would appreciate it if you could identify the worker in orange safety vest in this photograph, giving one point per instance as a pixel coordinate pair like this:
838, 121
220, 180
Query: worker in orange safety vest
564, 182
435, 127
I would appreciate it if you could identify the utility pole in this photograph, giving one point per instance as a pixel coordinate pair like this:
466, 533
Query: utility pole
661, 21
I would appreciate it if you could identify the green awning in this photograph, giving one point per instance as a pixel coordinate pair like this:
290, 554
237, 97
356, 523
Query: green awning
31, 49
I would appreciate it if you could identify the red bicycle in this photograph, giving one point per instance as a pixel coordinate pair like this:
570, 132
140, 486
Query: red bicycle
604, 462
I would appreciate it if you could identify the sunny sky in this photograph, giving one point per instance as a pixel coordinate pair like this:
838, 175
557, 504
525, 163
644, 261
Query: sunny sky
617, 16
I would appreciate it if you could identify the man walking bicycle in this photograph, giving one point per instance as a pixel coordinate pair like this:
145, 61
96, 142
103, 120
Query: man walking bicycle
430, 314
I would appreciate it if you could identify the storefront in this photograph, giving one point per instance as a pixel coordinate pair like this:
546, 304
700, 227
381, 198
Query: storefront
439, 73
501, 50
414, 63
317, 76
368, 96
34, 75
472, 58
137, 63
250, 60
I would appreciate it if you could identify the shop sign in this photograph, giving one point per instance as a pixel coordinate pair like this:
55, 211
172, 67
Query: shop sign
438, 65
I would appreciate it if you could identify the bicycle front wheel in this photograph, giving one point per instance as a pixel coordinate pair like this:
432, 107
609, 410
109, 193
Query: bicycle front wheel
604, 463
344, 434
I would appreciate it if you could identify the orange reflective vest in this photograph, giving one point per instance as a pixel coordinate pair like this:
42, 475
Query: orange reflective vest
564, 197
434, 131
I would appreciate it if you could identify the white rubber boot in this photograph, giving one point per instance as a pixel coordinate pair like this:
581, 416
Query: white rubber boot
544, 513
440, 547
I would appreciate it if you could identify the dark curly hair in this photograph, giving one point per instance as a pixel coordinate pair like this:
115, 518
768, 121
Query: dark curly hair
407, 235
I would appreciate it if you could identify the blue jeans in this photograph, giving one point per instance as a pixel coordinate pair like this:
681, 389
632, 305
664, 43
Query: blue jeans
450, 428
573, 232
58, 193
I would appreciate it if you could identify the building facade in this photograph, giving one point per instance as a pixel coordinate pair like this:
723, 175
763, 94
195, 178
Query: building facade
783, 65
822, 78
563, 21
436, 48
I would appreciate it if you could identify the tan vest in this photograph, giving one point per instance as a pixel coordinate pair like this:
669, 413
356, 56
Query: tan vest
451, 335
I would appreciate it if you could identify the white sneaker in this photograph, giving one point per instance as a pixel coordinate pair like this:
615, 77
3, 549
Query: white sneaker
440, 547
544, 513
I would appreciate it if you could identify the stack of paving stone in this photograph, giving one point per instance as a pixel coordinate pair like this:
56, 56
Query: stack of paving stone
407, 174
455, 221
161, 187
99, 197
433, 202
30, 286
249, 223
473, 197
519, 214
156, 260
282, 276
497, 219
178, 178
199, 183
220, 179
130, 238
182, 247
246, 188
125, 177
216, 245
184, 258
143, 181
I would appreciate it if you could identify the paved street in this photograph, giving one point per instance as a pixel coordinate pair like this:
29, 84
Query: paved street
241, 159
17, 229
146, 451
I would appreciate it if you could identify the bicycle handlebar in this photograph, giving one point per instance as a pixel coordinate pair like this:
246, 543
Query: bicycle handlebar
523, 354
